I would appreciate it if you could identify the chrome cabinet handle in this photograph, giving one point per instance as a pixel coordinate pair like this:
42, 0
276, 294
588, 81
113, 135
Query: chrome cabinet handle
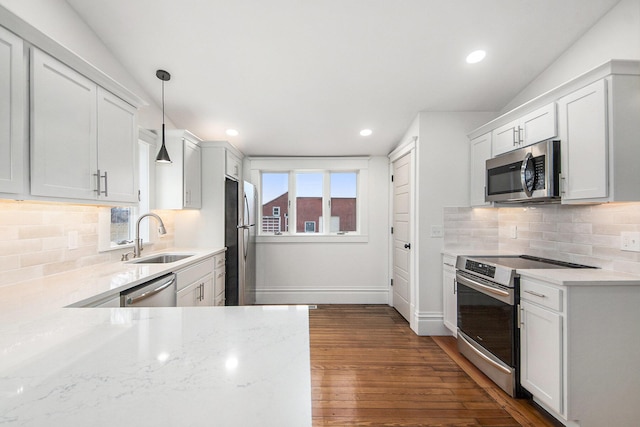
99, 189
535, 294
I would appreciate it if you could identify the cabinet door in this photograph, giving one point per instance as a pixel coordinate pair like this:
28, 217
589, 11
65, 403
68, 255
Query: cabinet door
63, 130
192, 175
232, 165
208, 292
12, 84
505, 138
189, 296
450, 308
117, 148
538, 125
541, 354
583, 137
480, 152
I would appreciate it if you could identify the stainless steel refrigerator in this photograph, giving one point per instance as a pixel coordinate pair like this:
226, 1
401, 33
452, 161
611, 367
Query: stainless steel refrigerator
247, 239
240, 238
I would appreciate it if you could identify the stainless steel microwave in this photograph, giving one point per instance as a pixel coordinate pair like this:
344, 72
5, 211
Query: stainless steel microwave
529, 174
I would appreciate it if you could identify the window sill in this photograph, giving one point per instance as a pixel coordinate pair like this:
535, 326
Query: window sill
305, 238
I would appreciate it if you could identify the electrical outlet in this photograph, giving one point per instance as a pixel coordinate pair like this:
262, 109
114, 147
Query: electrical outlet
73, 239
630, 241
437, 231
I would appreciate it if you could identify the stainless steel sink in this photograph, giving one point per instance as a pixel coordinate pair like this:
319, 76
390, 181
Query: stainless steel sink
161, 259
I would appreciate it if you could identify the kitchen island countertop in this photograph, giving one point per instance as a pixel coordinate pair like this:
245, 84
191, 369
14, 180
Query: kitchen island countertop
192, 366
222, 366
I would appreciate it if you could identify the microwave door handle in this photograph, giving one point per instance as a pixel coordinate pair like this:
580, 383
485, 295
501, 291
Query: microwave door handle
523, 175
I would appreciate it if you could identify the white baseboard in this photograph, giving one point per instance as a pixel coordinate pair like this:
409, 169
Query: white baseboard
329, 296
430, 323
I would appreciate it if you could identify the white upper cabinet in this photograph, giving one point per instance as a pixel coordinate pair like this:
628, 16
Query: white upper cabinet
83, 139
599, 128
480, 151
583, 135
117, 147
179, 183
12, 111
192, 175
233, 166
533, 127
64, 131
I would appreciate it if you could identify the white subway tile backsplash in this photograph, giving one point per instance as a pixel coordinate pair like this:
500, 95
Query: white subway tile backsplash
587, 234
34, 239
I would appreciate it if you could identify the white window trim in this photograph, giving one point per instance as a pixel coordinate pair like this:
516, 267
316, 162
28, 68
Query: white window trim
292, 165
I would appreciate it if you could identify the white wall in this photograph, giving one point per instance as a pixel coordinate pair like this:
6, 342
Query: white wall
615, 36
340, 272
58, 20
443, 180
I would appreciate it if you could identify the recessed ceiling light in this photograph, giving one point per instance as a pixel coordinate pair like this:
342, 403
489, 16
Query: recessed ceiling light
366, 132
232, 132
476, 56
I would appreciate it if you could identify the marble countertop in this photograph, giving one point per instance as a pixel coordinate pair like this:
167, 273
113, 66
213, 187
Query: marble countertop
222, 366
26, 301
579, 276
558, 276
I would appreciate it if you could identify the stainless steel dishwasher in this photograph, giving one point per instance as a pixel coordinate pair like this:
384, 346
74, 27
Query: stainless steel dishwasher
160, 292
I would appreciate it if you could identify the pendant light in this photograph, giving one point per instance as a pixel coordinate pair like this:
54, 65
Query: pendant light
163, 155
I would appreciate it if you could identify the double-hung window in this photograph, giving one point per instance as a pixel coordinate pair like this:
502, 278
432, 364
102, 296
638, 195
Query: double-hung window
315, 198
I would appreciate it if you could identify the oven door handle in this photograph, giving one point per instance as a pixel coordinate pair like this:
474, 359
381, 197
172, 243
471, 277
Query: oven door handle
484, 356
481, 287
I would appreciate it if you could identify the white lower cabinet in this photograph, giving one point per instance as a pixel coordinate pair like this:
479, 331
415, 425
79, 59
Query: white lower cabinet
199, 293
580, 349
541, 362
219, 279
449, 303
195, 284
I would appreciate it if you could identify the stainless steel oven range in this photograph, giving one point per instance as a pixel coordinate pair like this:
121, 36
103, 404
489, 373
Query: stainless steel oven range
487, 290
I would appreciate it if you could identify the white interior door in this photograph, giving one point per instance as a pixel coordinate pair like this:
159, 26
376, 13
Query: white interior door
401, 235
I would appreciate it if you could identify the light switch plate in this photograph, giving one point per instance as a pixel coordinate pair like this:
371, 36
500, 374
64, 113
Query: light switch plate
513, 231
437, 231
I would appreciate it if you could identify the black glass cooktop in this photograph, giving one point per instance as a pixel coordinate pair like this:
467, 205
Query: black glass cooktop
526, 261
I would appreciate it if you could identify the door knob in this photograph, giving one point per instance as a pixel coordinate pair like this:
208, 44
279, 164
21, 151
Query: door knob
407, 245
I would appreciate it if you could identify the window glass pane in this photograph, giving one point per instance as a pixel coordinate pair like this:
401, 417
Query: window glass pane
343, 201
120, 229
309, 202
275, 202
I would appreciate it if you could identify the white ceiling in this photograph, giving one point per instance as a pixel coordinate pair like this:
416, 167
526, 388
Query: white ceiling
302, 77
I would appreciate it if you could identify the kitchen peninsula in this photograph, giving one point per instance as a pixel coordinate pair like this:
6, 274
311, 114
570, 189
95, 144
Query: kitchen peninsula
223, 366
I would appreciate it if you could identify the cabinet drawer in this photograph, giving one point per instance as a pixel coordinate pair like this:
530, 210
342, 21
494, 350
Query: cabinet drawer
194, 272
219, 281
219, 260
540, 293
219, 301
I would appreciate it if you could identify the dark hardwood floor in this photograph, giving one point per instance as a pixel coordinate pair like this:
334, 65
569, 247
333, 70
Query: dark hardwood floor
369, 369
